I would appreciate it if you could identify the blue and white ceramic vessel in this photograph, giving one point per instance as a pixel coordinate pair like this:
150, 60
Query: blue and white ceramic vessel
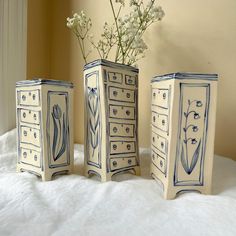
183, 129
45, 127
111, 119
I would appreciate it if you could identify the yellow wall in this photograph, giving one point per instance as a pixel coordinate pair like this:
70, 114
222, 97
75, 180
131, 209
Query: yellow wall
196, 36
39, 36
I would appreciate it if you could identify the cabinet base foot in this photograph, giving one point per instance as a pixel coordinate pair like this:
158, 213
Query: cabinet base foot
173, 193
105, 177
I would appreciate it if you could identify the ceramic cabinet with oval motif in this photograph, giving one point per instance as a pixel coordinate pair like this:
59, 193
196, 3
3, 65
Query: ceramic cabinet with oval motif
45, 127
183, 129
111, 119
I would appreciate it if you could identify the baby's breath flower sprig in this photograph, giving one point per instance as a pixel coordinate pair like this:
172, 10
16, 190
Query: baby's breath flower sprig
133, 26
107, 41
125, 33
119, 35
80, 25
122, 2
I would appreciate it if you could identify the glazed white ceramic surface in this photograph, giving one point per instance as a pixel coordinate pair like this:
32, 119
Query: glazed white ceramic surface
183, 129
45, 127
111, 119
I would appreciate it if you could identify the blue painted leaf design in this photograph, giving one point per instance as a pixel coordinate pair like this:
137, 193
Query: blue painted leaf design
93, 119
59, 146
195, 157
184, 160
63, 144
55, 136
194, 160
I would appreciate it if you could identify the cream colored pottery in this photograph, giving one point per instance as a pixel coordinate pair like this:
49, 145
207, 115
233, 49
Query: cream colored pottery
111, 119
45, 127
183, 129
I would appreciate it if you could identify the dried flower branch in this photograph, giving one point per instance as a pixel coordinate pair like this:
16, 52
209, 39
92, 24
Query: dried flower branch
125, 33
80, 25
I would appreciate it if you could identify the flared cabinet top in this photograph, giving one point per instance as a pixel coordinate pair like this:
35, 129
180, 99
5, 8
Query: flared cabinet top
35, 82
185, 75
103, 62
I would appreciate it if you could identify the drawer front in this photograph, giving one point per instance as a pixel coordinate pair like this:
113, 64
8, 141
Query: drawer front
115, 77
121, 163
160, 121
159, 162
29, 98
122, 112
28, 116
30, 157
130, 80
160, 97
119, 147
121, 130
160, 143
30, 136
121, 95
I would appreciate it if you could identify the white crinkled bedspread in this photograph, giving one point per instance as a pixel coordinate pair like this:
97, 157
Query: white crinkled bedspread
130, 205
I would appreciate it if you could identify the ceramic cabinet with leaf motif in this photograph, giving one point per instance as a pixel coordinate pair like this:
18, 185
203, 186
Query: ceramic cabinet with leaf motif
45, 127
111, 119
183, 129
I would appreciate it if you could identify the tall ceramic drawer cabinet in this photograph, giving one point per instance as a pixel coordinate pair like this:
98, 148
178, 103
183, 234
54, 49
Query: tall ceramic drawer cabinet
111, 119
45, 127
183, 129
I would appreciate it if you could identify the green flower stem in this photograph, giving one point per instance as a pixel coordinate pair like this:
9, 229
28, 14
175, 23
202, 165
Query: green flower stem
131, 51
118, 14
124, 34
81, 37
141, 24
95, 46
118, 31
81, 45
109, 49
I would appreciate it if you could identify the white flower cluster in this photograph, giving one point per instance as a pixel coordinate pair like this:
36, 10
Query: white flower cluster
122, 2
156, 13
107, 41
80, 20
125, 33
131, 28
80, 24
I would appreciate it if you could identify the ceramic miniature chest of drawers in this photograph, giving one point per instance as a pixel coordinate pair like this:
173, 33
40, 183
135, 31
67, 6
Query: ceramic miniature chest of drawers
111, 122
183, 128
45, 127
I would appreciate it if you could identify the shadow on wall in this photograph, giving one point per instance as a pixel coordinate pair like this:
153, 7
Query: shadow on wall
170, 50
49, 45
178, 51
60, 41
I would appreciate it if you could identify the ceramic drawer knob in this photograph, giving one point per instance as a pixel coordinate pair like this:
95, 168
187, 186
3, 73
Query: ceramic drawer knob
183, 129
111, 125
45, 127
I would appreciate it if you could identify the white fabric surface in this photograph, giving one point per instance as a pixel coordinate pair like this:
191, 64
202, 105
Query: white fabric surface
130, 205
